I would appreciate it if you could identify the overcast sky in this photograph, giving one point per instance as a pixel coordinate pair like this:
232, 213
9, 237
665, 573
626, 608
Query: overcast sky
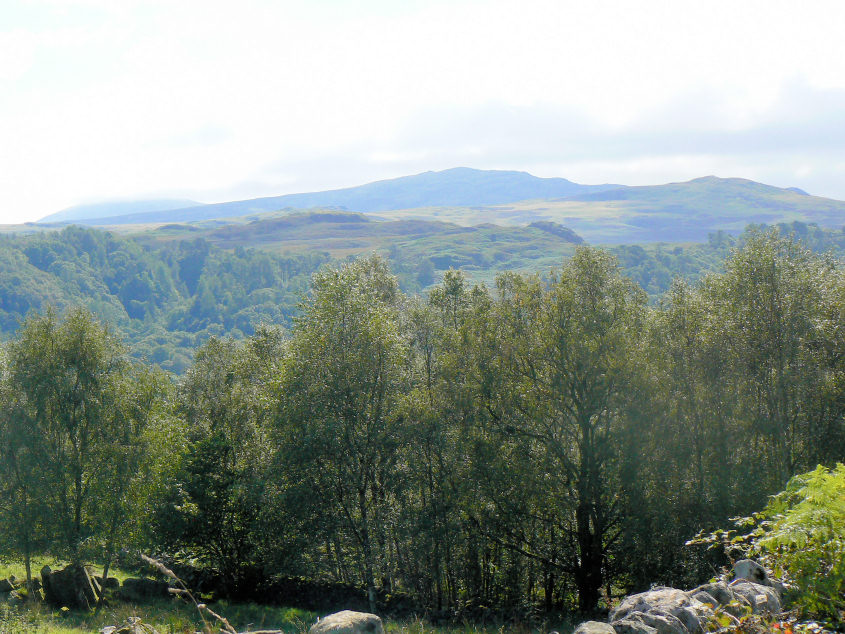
214, 101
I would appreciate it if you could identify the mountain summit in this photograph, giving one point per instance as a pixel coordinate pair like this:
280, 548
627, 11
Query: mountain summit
456, 187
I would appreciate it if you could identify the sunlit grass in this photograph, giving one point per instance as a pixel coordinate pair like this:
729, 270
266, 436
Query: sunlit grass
175, 616
17, 569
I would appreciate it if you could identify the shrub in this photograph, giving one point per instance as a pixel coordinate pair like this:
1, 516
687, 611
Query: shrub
800, 536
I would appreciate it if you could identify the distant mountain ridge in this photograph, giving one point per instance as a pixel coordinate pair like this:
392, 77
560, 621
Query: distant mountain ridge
456, 187
601, 214
685, 191
112, 208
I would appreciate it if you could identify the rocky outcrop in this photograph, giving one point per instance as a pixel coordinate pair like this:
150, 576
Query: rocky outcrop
348, 622
7, 585
135, 590
760, 598
132, 625
673, 611
594, 627
110, 583
684, 610
71, 587
750, 571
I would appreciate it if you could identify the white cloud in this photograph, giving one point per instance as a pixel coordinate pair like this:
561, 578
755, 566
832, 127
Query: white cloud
211, 99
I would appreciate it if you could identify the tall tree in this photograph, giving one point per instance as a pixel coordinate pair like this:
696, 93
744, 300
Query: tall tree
768, 311
560, 390
211, 508
70, 376
340, 385
22, 512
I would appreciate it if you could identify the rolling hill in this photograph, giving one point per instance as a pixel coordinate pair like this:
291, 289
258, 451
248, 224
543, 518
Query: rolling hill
688, 211
602, 214
460, 186
481, 250
167, 289
116, 208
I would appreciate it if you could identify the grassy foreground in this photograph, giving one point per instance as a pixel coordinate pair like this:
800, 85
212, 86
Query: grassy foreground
173, 618
178, 617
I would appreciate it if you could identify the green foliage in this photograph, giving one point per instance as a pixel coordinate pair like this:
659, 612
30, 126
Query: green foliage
209, 505
557, 390
80, 410
538, 443
340, 386
167, 301
800, 535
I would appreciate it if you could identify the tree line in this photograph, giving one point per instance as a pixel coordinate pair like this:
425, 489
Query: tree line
166, 299
542, 444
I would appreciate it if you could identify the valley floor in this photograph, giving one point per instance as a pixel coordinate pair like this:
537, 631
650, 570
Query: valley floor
178, 617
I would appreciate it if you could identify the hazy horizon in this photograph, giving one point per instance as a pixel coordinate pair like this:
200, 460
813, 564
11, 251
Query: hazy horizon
147, 99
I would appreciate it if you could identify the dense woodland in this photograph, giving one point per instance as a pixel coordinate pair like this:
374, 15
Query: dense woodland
165, 298
539, 444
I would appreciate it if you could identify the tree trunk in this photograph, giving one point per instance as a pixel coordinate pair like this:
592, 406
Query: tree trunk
27, 561
588, 575
103, 584
368, 551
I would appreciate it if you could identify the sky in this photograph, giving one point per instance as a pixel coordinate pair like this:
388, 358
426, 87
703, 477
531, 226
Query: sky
216, 101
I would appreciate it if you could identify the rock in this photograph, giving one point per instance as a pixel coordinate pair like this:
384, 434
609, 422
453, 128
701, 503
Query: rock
132, 625
705, 598
689, 611
632, 626
750, 571
13, 598
738, 608
594, 627
762, 598
348, 622
719, 591
71, 587
110, 584
142, 590
662, 623
16, 598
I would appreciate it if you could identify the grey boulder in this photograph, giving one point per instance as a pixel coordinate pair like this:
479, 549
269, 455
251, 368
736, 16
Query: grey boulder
632, 626
750, 571
70, 587
718, 591
594, 627
661, 622
677, 603
348, 622
7, 585
761, 598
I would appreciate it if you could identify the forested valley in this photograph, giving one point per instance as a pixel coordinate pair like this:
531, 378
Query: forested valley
541, 445
165, 292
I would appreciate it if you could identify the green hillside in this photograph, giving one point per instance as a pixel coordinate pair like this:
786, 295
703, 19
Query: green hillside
411, 244
167, 289
166, 301
602, 214
674, 212
452, 187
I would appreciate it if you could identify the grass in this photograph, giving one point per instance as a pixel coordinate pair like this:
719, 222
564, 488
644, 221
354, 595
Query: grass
17, 569
175, 616
166, 616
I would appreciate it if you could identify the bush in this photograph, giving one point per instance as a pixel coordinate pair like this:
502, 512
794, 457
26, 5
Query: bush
800, 536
